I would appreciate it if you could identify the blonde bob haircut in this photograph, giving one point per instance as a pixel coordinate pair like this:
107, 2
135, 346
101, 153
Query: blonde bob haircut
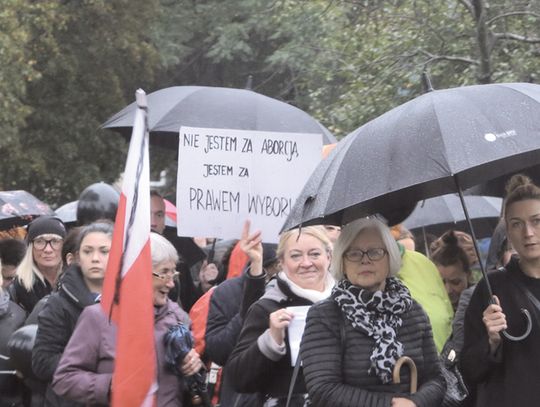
349, 233
318, 232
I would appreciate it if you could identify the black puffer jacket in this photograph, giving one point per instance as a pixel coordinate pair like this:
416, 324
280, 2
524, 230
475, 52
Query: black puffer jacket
56, 323
338, 378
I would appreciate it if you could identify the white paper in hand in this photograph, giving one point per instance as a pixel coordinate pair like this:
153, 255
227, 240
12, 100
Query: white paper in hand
296, 330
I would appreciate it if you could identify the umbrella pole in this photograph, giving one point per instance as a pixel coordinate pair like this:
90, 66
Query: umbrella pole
426, 248
484, 273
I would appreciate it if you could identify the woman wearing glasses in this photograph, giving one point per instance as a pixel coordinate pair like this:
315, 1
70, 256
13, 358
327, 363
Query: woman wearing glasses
261, 360
85, 369
79, 287
38, 271
352, 340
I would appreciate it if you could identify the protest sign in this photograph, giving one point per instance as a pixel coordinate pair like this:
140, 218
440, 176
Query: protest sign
226, 176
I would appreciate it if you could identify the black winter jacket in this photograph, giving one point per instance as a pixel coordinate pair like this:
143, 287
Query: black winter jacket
339, 377
251, 371
56, 323
28, 299
510, 377
228, 306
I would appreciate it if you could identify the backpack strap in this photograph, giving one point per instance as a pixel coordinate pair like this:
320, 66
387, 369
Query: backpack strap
343, 340
293, 380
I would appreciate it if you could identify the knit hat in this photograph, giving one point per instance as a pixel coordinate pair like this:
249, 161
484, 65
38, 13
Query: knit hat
45, 225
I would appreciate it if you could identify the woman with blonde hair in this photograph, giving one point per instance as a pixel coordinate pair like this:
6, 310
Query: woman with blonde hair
41, 266
261, 361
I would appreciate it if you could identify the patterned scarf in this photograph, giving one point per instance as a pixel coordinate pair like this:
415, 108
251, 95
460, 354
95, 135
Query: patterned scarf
379, 316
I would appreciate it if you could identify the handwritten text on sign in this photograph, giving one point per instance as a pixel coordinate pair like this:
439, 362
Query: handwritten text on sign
227, 176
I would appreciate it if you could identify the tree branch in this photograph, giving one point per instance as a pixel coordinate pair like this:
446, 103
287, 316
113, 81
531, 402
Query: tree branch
512, 13
451, 58
516, 37
468, 6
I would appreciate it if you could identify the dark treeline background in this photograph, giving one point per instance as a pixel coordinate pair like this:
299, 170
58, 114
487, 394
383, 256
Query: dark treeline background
69, 65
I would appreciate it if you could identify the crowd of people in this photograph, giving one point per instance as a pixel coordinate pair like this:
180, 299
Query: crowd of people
327, 317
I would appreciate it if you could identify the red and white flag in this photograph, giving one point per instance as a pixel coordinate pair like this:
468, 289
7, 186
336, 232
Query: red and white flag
127, 289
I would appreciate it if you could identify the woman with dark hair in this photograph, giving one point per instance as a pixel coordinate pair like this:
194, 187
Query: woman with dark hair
505, 372
453, 265
80, 287
353, 340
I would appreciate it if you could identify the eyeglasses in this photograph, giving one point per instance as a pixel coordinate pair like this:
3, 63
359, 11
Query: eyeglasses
41, 244
357, 255
166, 276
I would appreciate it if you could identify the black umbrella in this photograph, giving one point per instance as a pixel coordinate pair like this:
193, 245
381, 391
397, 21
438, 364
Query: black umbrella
440, 142
213, 107
178, 343
67, 213
496, 187
437, 215
18, 208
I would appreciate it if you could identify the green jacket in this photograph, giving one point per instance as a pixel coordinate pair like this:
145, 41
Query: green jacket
424, 282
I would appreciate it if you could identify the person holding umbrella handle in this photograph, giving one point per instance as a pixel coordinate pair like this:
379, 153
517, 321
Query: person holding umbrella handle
379, 324
506, 372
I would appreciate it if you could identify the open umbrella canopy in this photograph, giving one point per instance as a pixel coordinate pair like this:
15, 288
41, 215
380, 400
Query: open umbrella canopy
497, 186
67, 212
437, 215
440, 142
214, 107
18, 208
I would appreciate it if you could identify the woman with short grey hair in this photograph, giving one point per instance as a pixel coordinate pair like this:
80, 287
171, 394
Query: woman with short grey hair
353, 340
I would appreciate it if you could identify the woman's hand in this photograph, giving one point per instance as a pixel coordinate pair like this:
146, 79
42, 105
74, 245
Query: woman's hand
208, 273
402, 402
191, 363
279, 320
495, 322
252, 246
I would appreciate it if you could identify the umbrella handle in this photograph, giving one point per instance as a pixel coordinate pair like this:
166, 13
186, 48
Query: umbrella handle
414, 372
484, 273
512, 338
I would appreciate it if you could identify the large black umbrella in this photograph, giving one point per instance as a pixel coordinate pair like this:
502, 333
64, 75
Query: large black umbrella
440, 142
213, 107
437, 215
18, 208
496, 186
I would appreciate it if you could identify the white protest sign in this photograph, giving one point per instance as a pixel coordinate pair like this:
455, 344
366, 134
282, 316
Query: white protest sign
227, 176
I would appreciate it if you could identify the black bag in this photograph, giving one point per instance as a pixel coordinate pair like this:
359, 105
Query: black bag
296, 400
456, 391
